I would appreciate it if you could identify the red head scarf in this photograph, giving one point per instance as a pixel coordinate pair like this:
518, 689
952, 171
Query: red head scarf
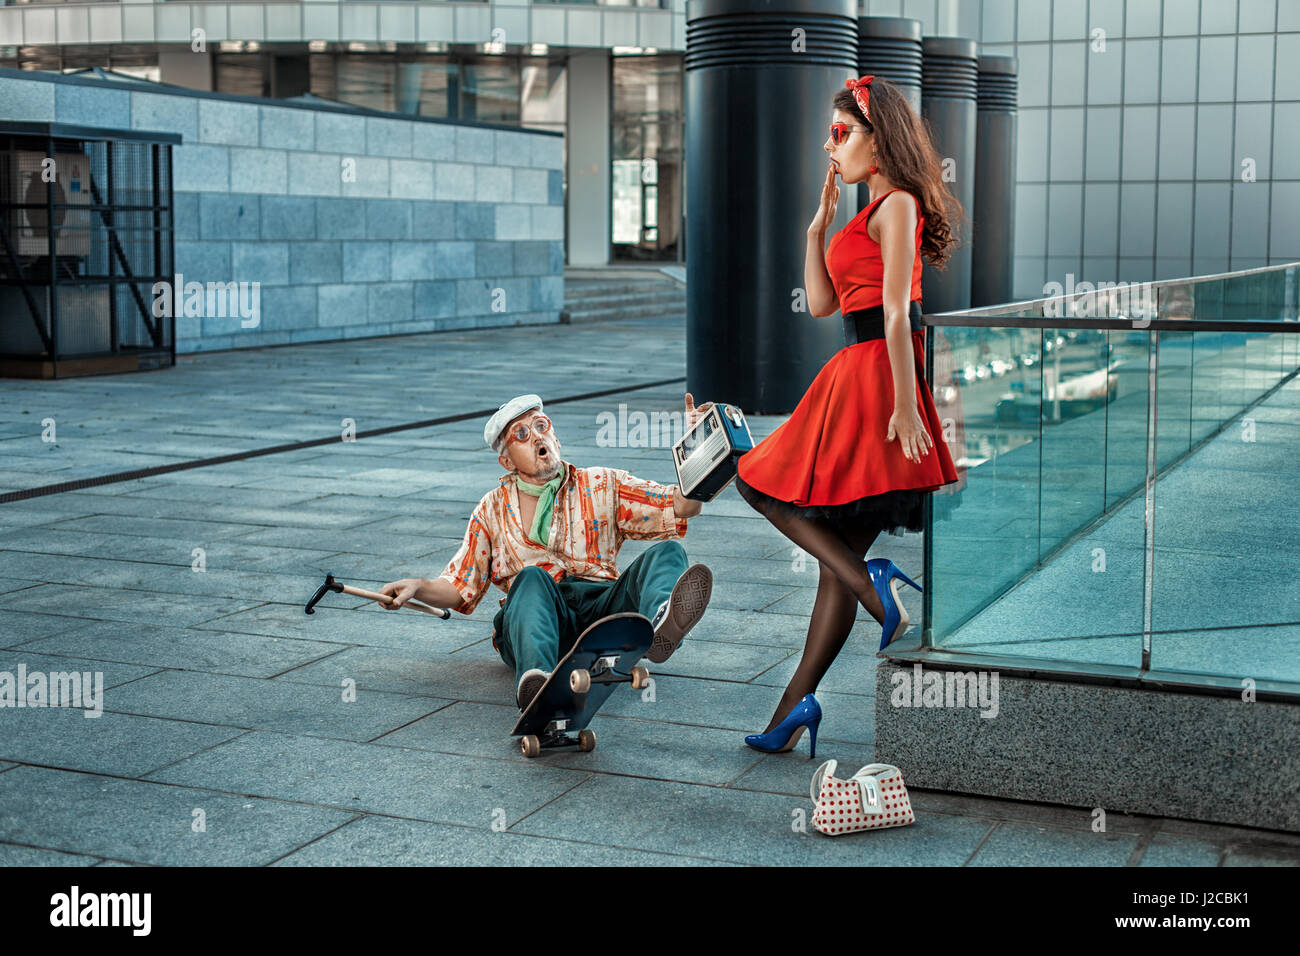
861, 93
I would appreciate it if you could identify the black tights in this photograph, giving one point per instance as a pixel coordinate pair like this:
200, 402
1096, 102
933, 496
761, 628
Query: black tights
843, 584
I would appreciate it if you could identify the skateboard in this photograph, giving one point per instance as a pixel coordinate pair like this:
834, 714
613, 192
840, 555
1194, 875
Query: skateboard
604, 656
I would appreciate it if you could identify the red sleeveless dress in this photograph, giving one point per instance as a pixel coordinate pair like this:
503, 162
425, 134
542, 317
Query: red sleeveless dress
830, 459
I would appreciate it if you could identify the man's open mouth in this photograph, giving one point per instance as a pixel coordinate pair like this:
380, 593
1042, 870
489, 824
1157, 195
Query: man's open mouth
541, 451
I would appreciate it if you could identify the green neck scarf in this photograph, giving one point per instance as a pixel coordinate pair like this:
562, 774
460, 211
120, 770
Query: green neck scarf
541, 529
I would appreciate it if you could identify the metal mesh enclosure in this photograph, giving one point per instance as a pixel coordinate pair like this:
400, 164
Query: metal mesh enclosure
78, 298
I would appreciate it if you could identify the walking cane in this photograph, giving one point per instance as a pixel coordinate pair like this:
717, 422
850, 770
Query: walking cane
385, 599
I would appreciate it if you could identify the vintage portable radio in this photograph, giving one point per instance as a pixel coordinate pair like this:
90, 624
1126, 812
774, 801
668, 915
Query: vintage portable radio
705, 457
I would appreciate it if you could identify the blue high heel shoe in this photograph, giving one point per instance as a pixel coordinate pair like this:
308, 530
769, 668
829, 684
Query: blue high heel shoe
885, 577
807, 713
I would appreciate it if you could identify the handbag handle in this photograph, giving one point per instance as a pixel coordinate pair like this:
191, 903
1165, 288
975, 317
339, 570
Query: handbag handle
819, 776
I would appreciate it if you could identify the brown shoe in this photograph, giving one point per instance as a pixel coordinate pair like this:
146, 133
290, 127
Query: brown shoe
681, 612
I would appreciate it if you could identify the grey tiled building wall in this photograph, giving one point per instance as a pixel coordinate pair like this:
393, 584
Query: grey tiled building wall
433, 225
1130, 158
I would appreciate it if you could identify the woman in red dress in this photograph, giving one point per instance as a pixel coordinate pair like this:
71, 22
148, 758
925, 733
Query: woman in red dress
861, 450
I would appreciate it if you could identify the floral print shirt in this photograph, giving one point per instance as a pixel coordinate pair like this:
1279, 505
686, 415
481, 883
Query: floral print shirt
595, 510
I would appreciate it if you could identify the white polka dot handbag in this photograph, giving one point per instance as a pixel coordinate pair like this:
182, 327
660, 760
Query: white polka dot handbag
873, 798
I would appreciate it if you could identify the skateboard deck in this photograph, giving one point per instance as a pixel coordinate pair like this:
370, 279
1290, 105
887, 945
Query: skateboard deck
605, 655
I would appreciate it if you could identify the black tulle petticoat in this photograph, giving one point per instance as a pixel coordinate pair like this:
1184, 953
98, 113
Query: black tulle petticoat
894, 512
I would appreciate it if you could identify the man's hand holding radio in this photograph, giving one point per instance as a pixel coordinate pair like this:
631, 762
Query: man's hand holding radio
693, 414
688, 507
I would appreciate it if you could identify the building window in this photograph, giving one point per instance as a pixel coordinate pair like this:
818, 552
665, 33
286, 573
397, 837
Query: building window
647, 158
366, 79
490, 90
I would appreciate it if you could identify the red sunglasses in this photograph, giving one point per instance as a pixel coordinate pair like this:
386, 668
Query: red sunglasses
840, 132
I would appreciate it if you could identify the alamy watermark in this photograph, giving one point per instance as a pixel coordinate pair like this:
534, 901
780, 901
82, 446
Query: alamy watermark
211, 300
79, 689
637, 429
130, 910
1134, 301
917, 688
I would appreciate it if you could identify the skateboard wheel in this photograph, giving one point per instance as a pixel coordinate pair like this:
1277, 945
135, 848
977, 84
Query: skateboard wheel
580, 681
530, 745
640, 678
586, 740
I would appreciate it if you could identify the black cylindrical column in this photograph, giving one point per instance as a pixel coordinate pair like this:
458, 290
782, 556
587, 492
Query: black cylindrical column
948, 85
760, 76
993, 231
890, 48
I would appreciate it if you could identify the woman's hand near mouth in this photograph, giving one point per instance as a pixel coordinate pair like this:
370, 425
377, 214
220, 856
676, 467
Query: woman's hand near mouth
826, 211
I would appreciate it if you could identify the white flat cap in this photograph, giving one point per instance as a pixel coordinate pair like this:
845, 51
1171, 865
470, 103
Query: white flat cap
505, 415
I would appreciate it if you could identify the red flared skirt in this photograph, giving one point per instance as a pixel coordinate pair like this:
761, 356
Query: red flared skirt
830, 458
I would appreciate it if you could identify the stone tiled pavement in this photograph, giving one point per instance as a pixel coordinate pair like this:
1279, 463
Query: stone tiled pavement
223, 697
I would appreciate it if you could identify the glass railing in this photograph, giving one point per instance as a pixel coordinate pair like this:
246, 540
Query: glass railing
1127, 503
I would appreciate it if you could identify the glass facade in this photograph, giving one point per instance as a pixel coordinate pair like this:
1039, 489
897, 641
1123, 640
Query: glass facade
647, 157
136, 59
527, 90
647, 174
647, 124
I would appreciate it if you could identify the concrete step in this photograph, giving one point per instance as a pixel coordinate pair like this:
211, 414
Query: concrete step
625, 298
582, 290
622, 295
631, 312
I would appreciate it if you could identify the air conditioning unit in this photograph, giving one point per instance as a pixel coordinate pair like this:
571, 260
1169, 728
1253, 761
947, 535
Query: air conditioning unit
22, 182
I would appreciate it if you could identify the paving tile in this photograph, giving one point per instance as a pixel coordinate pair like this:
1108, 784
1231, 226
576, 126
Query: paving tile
115, 604
722, 660
113, 673
992, 808
1220, 833
1167, 850
744, 708
223, 652
383, 841
361, 541
173, 528
751, 627
14, 584
111, 743
791, 773
138, 821
420, 785
745, 595
221, 556
368, 624
475, 673
250, 703
13, 855
741, 827
852, 672
636, 747
20, 627
1262, 856
1020, 844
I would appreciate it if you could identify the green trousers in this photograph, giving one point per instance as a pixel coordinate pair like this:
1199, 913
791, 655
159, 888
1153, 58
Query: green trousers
542, 618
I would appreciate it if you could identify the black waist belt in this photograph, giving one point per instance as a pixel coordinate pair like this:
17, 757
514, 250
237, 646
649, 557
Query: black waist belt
863, 325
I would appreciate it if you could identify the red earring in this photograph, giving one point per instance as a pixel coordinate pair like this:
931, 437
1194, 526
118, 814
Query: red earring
873, 169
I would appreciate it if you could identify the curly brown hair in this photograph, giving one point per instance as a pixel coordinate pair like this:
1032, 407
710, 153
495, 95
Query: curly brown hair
906, 155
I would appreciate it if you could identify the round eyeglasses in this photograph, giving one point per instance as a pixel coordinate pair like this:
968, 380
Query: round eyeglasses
541, 424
